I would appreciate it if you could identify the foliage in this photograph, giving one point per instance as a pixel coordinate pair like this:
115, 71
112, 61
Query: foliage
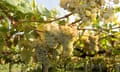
33, 35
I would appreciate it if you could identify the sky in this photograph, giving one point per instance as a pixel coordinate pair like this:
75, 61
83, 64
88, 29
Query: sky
50, 4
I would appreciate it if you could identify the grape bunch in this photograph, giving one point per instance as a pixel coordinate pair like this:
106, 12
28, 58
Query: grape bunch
91, 11
57, 39
90, 43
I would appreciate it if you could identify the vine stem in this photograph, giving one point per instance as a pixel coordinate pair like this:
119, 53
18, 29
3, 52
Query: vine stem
56, 19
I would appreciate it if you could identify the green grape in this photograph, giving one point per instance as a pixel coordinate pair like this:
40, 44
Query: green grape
88, 13
92, 3
116, 1
50, 40
106, 15
26, 54
94, 10
74, 3
42, 54
63, 3
68, 48
102, 2
51, 28
93, 16
59, 49
85, 39
94, 42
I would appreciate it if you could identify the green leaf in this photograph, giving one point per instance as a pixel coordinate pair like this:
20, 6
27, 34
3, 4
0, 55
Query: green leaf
117, 9
62, 22
53, 12
33, 3
24, 7
44, 11
12, 2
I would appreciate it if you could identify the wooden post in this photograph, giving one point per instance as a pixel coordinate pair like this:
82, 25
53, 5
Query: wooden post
22, 67
45, 68
86, 67
10, 67
100, 67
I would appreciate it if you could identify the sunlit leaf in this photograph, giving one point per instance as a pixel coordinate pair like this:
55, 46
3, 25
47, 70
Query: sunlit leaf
44, 11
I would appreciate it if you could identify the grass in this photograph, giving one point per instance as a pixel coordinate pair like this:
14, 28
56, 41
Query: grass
5, 68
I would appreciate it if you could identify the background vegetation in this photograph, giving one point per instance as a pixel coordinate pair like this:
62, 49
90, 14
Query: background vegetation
35, 39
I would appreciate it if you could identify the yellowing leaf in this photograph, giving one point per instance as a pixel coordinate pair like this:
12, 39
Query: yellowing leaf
33, 3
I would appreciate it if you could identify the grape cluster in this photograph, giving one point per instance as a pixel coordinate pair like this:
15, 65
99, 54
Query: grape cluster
41, 52
90, 43
67, 36
91, 10
57, 41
